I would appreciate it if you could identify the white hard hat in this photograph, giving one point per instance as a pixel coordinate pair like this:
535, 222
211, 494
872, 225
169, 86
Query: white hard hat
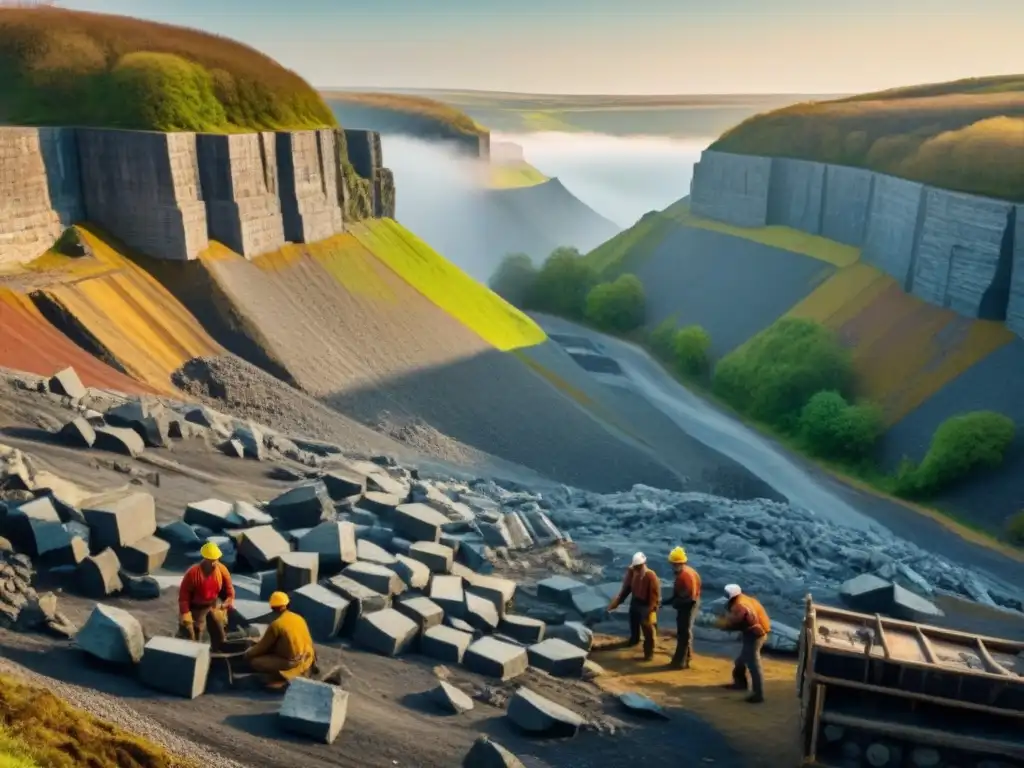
639, 558
731, 590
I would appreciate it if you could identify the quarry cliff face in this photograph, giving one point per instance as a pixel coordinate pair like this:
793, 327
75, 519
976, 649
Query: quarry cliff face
950, 249
168, 194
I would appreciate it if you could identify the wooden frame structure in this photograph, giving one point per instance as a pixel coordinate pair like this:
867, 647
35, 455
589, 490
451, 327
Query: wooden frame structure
883, 692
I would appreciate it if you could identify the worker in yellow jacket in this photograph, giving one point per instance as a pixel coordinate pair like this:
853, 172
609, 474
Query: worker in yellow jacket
286, 650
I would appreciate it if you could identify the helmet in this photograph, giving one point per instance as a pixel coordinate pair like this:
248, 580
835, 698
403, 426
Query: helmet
677, 555
279, 600
211, 551
638, 559
732, 590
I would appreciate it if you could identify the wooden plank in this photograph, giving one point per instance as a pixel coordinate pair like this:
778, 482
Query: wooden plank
900, 693
880, 637
819, 694
926, 647
991, 665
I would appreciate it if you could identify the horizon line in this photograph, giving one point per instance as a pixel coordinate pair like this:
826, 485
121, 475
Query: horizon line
400, 89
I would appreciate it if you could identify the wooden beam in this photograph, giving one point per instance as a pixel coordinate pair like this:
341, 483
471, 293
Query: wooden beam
991, 665
900, 693
880, 637
926, 646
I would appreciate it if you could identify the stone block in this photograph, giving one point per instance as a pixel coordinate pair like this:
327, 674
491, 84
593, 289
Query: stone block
418, 522
559, 589
437, 557
573, 633
451, 540
539, 716
297, 569
249, 515
97, 576
590, 604
334, 543
262, 546
343, 484
37, 530
450, 699
499, 591
145, 555
314, 709
377, 577
476, 555
731, 188
445, 644
387, 632
493, 658
480, 613
78, 433
211, 513
523, 629
642, 706
847, 201
118, 521
362, 600
424, 611
447, 591
67, 383
415, 574
557, 657
546, 531
490, 754
246, 587
381, 504
518, 532
303, 507
496, 534
178, 667
308, 185
323, 610
369, 552
462, 625
119, 440
248, 612
795, 194
112, 635
379, 481
1015, 305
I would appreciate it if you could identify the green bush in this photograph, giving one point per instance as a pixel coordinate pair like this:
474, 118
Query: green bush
691, 351
772, 376
562, 285
514, 278
661, 338
619, 306
831, 428
1015, 528
961, 445
163, 92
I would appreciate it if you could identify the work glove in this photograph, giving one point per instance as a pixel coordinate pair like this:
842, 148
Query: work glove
228, 604
611, 607
653, 618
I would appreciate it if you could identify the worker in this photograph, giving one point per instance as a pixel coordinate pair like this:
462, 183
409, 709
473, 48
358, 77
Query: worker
643, 584
203, 587
686, 600
746, 615
286, 649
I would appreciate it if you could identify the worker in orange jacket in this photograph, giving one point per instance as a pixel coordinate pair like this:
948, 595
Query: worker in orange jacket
205, 596
286, 649
686, 600
747, 616
643, 584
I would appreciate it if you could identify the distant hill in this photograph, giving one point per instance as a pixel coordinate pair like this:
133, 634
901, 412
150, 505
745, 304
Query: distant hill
62, 67
966, 135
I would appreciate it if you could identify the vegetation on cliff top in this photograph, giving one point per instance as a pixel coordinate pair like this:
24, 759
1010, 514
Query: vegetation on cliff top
62, 67
966, 135
415, 106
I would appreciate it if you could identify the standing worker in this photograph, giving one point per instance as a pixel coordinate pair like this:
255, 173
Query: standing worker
286, 649
643, 584
686, 600
201, 588
746, 615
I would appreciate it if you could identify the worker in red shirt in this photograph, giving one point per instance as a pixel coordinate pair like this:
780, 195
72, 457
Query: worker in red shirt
686, 600
202, 588
643, 584
746, 615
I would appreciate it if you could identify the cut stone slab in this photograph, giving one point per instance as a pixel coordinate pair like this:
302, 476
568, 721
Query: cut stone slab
476, 555
67, 383
343, 484
97, 576
447, 592
480, 613
499, 591
323, 610
414, 573
362, 600
523, 628
314, 709
78, 433
518, 532
490, 754
496, 534
573, 633
121, 520
175, 666
119, 440
250, 515
379, 578
233, 448
870, 594
251, 438
303, 507
418, 522
112, 635
450, 699
557, 657
559, 589
297, 569
445, 644
211, 513
145, 555
334, 543
424, 611
437, 557
642, 706
590, 604
493, 658
140, 587
540, 716
35, 526
252, 612
179, 535
261, 546
368, 552
381, 504
461, 624
379, 480
386, 632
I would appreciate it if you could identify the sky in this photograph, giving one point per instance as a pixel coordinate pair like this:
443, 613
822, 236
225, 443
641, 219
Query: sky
615, 47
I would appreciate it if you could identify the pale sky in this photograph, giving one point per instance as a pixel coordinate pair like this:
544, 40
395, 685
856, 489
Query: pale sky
609, 46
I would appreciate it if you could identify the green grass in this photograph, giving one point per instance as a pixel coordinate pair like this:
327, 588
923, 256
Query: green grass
471, 303
514, 175
631, 247
62, 67
415, 106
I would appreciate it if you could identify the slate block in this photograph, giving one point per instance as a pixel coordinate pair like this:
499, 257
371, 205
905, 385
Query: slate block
450, 699
261, 546
590, 604
119, 440
78, 433
489, 754
493, 658
573, 633
381, 504
36, 527
559, 589
447, 592
145, 555
480, 613
113, 635
179, 535
314, 709
418, 522
496, 534
499, 591
343, 484
268, 583
246, 587
437, 557
445, 644
297, 569
386, 632
249, 515
211, 513
97, 576
413, 573
248, 612
522, 628
476, 555
642, 706
302, 507
67, 383
362, 600
120, 520
451, 540
178, 667
333, 542
424, 611
461, 624
323, 610
369, 552
517, 531
540, 716
378, 480
379, 578
557, 657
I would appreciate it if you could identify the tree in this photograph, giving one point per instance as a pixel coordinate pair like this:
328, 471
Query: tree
514, 278
562, 285
691, 350
617, 306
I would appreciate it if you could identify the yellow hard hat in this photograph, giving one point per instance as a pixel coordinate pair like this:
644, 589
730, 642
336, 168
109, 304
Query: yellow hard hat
278, 600
677, 555
211, 551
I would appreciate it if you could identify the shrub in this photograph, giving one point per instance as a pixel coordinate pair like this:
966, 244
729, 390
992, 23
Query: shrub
163, 92
617, 306
772, 376
514, 278
661, 339
834, 429
691, 351
1015, 528
562, 285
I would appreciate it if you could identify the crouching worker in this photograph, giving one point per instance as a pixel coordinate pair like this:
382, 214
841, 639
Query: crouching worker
204, 598
747, 616
643, 584
286, 650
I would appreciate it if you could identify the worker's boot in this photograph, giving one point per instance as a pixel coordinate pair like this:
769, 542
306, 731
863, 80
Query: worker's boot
755, 698
648, 648
739, 681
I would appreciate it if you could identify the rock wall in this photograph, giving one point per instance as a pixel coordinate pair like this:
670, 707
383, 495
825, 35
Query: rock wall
795, 193
893, 228
364, 152
384, 194
143, 187
731, 188
308, 182
1015, 306
845, 205
239, 181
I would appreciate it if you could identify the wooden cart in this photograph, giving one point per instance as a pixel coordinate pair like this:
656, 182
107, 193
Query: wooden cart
885, 693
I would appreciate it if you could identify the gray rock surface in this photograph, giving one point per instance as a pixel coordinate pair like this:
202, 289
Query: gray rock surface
323, 610
302, 507
112, 635
489, 754
214, 514
121, 520
559, 589
641, 705
450, 699
573, 633
731, 188
1015, 307
78, 433
795, 194
413, 573
119, 440
178, 667
480, 613
297, 569
498, 590
447, 591
362, 600
314, 709
539, 716
523, 629
368, 551
893, 226
98, 576
418, 522
145, 555
846, 201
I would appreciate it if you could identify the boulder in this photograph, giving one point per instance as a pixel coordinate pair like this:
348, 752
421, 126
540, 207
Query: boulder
476, 555
179, 535
211, 513
362, 600
334, 543
869, 594
518, 532
490, 754
35, 526
154, 430
522, 628
119, 440
379, 481
559, 589
493, 658
590, 604
323, 610
368, 552
539, 716
557, 657
381, 504
118, 521
145, 555
175, 666
251, 438
418, 522
112, 635
249, 515
97, 576
67, 383
445, 644
447, 592
573, 633
344, 484
450, 699
414, 573
386, 632
499, 591
437, 557
297, 569
480, 613
314, 709
379, 578
261, 546
424, 611
642, 706
302, 507
140, 587
78, 433
233, 449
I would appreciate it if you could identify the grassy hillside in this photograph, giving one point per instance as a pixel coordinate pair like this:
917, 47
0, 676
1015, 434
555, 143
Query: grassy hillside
72, 67
417, 108
966, 135
512, 175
